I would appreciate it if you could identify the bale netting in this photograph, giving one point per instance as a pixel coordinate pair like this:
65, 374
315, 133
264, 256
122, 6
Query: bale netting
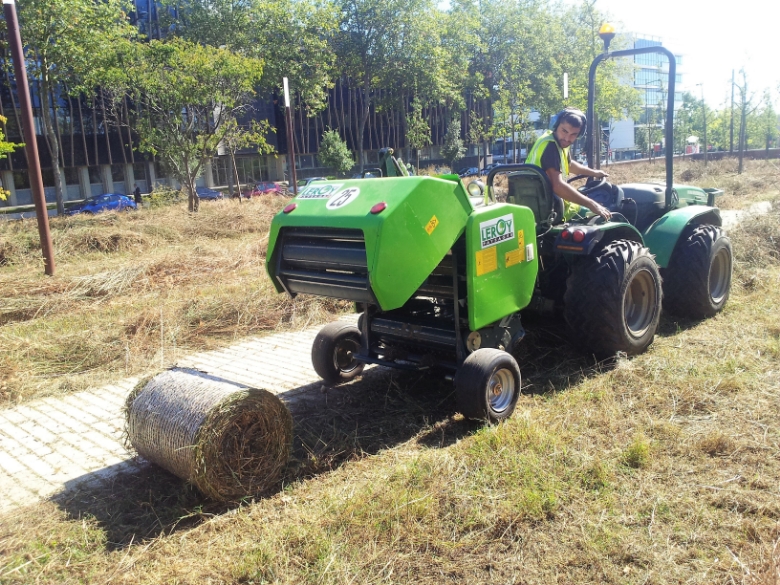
228, 440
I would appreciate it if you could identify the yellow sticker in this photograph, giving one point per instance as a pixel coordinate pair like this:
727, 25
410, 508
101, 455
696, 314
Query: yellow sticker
514, 257
521, 239
431, 225
487, 260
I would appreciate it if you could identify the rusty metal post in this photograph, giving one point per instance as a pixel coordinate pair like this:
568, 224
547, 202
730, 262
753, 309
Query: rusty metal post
28, 134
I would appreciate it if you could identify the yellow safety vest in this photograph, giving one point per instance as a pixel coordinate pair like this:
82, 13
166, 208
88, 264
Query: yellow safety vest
535, 158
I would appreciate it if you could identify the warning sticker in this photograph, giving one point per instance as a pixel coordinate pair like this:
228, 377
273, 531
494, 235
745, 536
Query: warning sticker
520, 239
431, 225
487, 260
514, 257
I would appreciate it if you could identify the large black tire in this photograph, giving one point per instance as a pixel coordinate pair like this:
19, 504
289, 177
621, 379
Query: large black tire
332, 353
613, 300
697, 281
487, 385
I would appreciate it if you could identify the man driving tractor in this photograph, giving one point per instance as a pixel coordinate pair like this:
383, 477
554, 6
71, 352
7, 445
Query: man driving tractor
551, 154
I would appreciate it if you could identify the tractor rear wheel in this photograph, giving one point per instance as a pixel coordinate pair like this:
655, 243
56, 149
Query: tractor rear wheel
613, 299
487, 385
697, 281
333, 352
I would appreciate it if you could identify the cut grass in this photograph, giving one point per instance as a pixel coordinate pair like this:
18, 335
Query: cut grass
659, 469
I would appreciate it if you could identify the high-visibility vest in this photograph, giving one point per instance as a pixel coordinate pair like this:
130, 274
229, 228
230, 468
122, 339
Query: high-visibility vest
535, 158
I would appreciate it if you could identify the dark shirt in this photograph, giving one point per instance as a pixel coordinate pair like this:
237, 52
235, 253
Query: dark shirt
551, 158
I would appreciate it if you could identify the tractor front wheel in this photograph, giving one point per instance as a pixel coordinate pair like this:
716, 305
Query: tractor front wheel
487, 385
697, 281
613, 299
333, 352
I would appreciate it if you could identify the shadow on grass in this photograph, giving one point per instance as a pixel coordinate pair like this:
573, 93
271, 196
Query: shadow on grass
136, 502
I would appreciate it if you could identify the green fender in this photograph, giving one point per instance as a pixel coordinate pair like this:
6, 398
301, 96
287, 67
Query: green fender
661, 237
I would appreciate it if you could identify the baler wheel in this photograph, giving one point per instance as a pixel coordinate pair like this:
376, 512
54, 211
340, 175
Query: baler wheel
333, 351
487, 385
697, 281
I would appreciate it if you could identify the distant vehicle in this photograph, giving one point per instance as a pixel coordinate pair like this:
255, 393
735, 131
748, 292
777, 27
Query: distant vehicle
306, 182
264, 188
488, 168
101, 203
208, 194
368, 174
468, 172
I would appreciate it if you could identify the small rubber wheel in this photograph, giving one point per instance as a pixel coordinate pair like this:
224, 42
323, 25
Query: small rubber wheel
333, 353
487, 385
697, 281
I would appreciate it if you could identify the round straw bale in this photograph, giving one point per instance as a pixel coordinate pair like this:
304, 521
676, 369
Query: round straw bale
228, 440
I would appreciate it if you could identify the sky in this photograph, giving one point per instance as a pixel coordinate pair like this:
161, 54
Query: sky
713, 37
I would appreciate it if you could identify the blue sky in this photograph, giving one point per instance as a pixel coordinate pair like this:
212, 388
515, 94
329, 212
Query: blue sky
713, 38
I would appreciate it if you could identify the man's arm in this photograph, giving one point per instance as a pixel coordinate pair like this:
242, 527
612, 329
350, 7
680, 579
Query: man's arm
578, 169
565, 191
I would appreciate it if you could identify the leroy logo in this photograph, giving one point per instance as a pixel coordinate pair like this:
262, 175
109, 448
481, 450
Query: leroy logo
319, 191
497, 230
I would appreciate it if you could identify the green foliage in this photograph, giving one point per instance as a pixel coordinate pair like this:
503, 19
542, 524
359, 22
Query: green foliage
453, 150
637, 454
162, 195
5, 149
334, 153
190, 96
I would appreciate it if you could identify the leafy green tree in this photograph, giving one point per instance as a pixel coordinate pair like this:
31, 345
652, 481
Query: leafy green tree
767, 122
70, 44
334, 153
452, 149
388, 44
418, 132
189, 97
6, 148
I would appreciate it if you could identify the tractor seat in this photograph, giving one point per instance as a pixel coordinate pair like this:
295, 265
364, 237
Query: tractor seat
529, 186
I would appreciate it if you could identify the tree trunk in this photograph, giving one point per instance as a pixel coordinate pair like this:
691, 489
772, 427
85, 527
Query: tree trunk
235, 173
54, 145
363, 119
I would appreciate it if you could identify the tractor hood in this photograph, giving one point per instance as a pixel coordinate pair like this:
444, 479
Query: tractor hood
367, 240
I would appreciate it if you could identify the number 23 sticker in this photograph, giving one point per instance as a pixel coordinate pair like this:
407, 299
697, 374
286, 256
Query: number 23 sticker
343, 198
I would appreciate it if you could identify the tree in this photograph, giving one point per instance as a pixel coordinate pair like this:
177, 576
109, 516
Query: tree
418, 132
452, 149
334, 153
187, 97
5, 149
768, 122
70, 44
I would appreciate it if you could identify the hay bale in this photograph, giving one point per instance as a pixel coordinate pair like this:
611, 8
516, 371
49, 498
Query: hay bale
228, 440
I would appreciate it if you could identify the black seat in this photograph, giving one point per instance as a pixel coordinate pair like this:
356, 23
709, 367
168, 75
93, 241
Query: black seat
529, 186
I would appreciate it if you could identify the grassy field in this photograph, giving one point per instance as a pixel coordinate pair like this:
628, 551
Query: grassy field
664, 468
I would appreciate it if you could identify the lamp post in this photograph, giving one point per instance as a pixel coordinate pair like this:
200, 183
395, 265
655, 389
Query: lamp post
704, 115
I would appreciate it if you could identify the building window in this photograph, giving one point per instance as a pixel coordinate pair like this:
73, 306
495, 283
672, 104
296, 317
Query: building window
95, 178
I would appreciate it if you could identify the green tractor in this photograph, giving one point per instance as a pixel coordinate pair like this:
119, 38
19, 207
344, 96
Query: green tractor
441, 273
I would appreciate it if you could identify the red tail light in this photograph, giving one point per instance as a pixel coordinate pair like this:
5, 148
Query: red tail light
578, 236
379, 207
289, 208
565, 235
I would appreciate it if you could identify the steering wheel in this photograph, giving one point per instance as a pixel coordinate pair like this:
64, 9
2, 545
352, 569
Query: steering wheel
592, 185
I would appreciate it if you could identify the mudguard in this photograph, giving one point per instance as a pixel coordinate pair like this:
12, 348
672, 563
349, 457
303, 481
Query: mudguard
662, 236
593, 234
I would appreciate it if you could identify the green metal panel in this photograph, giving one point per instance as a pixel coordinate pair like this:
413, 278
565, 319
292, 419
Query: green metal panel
501, 262
662, 236
404, 243
691, 195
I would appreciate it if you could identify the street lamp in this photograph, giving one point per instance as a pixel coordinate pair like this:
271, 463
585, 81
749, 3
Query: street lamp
704, 115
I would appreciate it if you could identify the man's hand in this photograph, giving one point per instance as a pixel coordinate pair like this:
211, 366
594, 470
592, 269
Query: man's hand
600, 210
599, 174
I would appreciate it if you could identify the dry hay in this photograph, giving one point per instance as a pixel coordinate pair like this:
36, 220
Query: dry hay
228, 440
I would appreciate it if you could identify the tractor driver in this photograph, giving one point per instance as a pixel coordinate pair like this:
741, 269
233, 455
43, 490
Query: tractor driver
551, 154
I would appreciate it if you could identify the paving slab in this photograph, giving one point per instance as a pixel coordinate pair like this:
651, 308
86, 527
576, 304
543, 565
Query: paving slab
50, 442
